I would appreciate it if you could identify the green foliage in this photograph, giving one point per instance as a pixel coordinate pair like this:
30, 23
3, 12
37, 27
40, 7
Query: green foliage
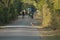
39, 4
56, 4
7, 13
18, 6
54, 7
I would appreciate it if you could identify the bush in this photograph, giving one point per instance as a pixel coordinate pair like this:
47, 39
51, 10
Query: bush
7, 14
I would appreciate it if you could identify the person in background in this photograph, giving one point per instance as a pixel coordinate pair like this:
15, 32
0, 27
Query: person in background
23, 13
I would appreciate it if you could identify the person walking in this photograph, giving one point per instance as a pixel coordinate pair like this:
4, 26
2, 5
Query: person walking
23, 13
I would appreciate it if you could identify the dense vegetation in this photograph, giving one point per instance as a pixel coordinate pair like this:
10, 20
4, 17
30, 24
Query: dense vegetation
54, 7
55, 10
7, 11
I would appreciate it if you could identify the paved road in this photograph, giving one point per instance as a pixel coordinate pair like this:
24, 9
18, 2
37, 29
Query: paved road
20, 38
22, 30
23, 22
24, 34
26, 21
19, 34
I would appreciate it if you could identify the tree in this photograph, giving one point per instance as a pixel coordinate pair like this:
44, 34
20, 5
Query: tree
5, 10
37, 1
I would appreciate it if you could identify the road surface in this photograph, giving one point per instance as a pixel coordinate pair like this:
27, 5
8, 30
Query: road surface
21, 29
26, 21
19, 34
26, 34
23, 22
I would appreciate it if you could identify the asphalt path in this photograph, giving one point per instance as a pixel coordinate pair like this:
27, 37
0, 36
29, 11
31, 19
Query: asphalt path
19, 34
